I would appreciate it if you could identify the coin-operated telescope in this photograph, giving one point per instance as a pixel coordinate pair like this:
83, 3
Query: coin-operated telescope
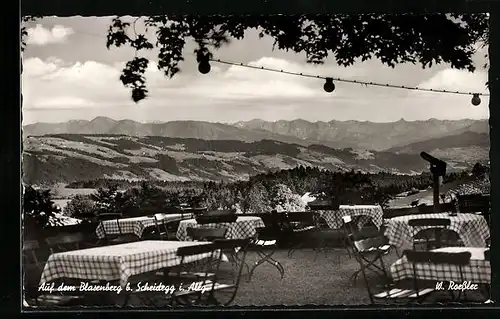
438, 169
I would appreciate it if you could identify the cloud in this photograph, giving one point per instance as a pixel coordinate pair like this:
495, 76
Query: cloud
39, 35
458, 80
54, 90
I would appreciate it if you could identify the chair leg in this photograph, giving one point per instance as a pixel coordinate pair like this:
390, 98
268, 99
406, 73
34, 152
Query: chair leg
266, 258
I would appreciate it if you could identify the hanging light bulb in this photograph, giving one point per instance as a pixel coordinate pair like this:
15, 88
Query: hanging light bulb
476, 100
329, 85
203, 58
204, 67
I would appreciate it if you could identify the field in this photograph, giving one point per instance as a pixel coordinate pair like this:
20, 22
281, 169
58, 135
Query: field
62, 195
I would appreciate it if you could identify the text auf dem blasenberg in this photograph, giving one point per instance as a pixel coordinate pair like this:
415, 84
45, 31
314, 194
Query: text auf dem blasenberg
139, 287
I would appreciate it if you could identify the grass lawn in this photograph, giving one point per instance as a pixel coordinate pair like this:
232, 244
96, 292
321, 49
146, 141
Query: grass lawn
309, 282
324, 281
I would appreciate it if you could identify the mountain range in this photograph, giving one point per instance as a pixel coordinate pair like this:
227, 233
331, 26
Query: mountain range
195, 150
335, 134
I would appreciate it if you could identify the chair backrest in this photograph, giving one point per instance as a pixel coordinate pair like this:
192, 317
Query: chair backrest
109, 216
160, 228
271, 220
432, 233
458, 259
365, 244
306, 217
435, 257
273, 228
88, 228
192, 250
219, 212
225, 244
206, 234
473, 203
429, 209
396, 212
65, 242
350, 224
431, 222
30, 245
324, 205
487, 255
215, 219
65, 239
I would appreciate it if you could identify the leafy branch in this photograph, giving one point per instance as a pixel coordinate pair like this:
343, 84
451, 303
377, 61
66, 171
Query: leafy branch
392, 39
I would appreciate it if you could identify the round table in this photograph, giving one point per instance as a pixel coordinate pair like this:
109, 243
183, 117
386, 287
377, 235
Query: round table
243, 227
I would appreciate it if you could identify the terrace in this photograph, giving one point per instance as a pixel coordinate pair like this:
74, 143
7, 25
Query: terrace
310, 276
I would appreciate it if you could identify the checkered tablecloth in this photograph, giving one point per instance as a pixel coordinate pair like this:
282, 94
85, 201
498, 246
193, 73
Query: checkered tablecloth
116, 262
472, 229
478, 272
134, 225
242, 228
368, 212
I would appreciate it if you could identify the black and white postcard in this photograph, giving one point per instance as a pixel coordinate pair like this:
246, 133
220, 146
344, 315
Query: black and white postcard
196, 161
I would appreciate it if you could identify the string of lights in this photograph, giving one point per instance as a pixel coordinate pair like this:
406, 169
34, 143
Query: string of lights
329, 86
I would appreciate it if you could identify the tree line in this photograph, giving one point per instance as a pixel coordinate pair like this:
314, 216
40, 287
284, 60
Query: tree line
261, 193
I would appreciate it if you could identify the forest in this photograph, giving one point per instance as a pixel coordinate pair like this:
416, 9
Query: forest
261, 193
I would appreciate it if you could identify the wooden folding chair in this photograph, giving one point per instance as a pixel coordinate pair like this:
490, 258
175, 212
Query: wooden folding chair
227, 286
65, 242
34, 259
369, 251
431, 233
390, 293
158, 231
201, 289
475, 203
326, 236
265, 242
299, 226
351, 229
458, 259
205, 233
217, 285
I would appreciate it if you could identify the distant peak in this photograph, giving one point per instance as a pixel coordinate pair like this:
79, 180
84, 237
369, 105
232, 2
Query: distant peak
103, 118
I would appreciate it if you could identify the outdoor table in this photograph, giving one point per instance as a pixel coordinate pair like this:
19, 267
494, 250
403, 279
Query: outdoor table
472, 229
134, 225
334, 220
116, 262
244, 227
477, 272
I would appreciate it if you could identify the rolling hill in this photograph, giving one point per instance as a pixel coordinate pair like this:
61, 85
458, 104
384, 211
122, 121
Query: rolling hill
70, 157
334, 134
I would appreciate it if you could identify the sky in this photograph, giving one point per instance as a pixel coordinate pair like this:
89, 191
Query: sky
69, 74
